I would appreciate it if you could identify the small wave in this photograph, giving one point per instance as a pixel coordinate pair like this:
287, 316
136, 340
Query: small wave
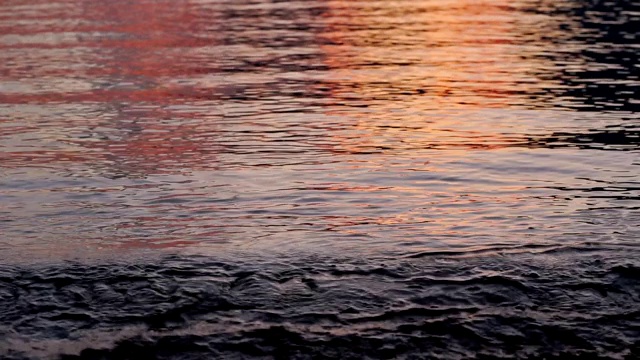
566, 304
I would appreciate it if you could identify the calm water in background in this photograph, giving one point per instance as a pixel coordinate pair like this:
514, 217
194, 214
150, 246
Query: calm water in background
440, 179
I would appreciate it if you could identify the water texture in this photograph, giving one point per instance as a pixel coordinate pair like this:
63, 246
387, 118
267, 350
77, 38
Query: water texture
430, 179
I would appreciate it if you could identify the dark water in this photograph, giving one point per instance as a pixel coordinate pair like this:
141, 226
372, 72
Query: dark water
319, 179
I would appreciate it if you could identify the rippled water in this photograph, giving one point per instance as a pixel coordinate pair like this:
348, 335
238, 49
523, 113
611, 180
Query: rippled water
319, 179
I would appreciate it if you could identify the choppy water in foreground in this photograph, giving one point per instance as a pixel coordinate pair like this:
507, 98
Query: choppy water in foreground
319, 179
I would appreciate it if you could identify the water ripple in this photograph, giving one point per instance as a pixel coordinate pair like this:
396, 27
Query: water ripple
529, 304
340, 179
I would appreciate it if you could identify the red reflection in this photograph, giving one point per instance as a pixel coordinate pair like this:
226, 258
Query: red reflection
121, 56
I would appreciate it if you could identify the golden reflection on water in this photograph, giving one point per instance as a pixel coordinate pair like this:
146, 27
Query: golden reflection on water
460, 54
435, 79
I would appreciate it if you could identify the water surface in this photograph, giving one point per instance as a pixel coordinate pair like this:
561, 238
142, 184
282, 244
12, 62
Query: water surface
309, 179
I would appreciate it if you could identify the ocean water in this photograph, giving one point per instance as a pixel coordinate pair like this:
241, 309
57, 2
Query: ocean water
419, 179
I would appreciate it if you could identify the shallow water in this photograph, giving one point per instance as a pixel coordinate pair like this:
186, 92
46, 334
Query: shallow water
311, 179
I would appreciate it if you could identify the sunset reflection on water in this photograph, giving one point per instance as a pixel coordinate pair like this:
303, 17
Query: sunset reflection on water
438, 179
362, 126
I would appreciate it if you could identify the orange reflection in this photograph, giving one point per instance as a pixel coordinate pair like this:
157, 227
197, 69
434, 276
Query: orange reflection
413, 85
408, 90
444, 55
